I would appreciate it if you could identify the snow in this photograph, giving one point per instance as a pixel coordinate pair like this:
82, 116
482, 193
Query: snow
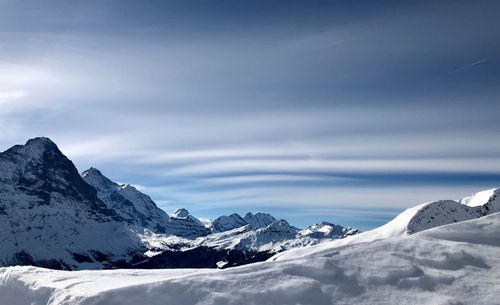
478, 199
327, 230
275, 237
419, 218
452, 264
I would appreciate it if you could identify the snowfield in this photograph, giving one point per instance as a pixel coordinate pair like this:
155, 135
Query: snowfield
452, 264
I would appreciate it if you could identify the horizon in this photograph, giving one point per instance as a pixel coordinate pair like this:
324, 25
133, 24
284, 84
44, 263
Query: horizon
326, 111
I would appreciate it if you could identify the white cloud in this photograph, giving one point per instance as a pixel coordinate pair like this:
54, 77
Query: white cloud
11, 95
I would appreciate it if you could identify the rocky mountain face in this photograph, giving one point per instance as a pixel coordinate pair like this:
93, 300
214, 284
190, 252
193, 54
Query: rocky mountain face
259, 220
49, 216
442, 212
233, 221
139, 209
186, 225
133, 206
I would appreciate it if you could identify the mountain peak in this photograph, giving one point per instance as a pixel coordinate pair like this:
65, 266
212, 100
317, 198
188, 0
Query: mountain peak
40, 141
35, 148
92, 171
180, 213
259, 220
224, 223
95, 178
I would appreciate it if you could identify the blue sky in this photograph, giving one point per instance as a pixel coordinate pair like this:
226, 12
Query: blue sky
344, 111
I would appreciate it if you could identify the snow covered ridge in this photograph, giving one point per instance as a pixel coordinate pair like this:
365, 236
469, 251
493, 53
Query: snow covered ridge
51, 216
419, 218
453, 264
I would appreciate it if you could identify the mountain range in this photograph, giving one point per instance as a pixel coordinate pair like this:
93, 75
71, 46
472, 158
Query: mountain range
53, 216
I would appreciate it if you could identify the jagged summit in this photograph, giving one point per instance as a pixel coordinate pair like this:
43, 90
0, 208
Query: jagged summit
94, 177
45, 141
92, 171
259, 220
225, 223
233, 221
34, 148
133, 206
181, 213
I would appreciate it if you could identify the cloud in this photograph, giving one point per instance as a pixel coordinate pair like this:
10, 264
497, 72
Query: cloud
227, 106
9, 95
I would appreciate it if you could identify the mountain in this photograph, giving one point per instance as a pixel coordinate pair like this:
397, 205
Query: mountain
133, 206
225, 223
417, 219
458, 263
328, 230
49, 216
233, 221
183, 224
139, 210
234, 247
259, 220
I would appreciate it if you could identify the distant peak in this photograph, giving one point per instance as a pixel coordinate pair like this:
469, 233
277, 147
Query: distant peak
180, 213
94, 177
91, 171
127, 186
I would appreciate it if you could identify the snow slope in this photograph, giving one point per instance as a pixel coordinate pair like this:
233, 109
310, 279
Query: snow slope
453, 264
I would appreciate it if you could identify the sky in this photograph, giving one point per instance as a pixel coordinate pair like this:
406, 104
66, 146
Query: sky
342, 111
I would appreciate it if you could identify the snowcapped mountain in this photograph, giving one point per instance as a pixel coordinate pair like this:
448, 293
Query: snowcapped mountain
327, 230
259, 220
139, 209
417, 219
183, 224
240, 245
233, 221
133, 206
225, 223
49, 216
